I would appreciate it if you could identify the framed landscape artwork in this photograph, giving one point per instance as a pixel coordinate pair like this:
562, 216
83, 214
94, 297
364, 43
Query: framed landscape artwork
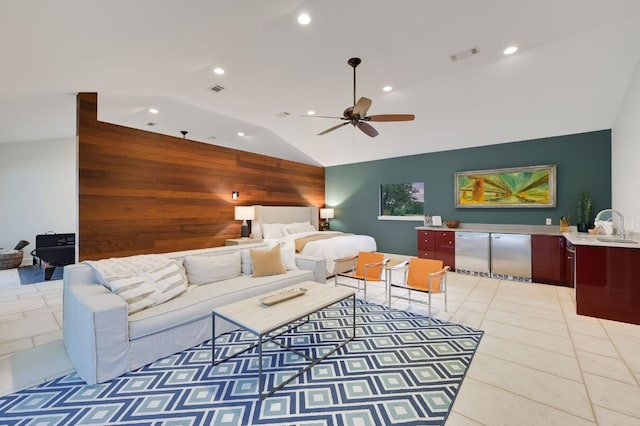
402, 199
532, 186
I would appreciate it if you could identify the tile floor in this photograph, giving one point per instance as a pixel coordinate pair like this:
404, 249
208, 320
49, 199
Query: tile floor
538, 363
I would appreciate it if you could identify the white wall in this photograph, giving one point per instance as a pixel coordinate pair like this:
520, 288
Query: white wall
37, 190
625, 157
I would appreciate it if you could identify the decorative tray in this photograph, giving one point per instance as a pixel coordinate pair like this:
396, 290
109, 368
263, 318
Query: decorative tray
282, 296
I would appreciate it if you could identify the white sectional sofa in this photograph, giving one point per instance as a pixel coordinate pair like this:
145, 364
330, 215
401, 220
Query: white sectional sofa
103, 341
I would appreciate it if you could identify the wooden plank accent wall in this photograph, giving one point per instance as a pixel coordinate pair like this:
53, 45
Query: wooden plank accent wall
142, 192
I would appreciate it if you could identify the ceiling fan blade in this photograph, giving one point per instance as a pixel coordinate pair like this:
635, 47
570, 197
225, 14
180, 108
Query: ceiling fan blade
331, 129
367, 129
323, 116
390, 117
361, 107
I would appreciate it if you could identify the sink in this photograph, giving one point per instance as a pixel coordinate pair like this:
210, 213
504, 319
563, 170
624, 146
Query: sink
616, 240
584, 236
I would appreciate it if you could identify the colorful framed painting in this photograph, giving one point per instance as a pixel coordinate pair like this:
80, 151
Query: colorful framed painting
532, 186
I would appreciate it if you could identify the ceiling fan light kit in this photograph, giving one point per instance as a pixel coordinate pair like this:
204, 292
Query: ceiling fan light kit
356, 115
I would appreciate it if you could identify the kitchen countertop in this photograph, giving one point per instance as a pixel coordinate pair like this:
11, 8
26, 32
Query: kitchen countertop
574, 237
584, 239
498, 228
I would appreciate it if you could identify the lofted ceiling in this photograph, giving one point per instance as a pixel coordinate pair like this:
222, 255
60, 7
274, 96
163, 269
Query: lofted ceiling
575, 61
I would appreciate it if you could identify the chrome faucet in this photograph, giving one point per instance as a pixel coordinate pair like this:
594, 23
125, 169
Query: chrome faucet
620, 228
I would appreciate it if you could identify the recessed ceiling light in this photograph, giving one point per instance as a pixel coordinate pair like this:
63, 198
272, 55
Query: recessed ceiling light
510, 50
241, 134
218, 70
304, 19
387, 88
153, 111
311, 112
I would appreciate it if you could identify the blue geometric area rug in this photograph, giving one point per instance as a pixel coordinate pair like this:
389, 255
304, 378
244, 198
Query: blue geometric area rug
398, 371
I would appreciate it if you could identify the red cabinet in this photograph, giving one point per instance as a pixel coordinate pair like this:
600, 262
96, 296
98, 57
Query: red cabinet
426, 245
550, 261
607, 284
439, 245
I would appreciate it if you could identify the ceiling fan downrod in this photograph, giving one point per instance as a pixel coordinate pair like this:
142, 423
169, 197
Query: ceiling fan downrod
354, 62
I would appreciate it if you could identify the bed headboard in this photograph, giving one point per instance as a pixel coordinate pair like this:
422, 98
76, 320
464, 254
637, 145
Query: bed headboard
282, 214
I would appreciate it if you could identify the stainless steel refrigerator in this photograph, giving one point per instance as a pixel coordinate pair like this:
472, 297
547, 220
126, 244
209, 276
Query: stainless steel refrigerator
472, 252
511, 255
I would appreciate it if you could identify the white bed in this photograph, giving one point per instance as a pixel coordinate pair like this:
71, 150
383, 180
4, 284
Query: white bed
293, 219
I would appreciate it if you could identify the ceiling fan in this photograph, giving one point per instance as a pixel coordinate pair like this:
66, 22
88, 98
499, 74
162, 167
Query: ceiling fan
356, 115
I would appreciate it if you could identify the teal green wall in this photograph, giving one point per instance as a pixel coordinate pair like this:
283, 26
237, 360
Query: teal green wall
583, 163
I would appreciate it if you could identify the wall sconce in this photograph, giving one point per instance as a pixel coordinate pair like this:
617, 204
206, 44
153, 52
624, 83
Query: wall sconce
325, 215
244, 213
235, 195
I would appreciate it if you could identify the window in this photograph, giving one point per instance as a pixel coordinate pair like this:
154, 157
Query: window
402, 201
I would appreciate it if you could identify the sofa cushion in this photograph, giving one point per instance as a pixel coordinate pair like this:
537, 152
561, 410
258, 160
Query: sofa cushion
267, 262
211, 269
198, 301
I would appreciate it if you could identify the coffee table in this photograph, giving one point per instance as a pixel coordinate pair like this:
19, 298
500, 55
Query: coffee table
266, 322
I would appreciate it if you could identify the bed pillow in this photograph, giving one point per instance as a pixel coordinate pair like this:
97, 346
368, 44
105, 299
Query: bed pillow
272, 230
210, 269
267, 262
298, 227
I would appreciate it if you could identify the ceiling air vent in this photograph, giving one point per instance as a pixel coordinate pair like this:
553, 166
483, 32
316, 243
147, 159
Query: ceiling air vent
465, 54
217, 88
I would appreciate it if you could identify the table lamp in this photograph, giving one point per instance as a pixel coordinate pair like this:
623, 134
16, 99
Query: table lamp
325, 215
244, 213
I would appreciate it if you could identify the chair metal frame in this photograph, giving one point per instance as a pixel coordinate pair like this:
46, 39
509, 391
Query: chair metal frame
351, 272
440, 274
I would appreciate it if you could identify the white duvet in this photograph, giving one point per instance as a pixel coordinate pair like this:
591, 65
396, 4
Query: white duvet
334, 248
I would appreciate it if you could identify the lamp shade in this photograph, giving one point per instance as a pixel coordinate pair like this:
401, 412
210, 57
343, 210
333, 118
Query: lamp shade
244, 213
326, 214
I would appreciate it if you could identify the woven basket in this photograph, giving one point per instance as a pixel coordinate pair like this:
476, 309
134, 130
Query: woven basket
11, 259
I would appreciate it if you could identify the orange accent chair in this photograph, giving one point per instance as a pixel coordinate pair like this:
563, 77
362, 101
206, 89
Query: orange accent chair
421, 275
363, 267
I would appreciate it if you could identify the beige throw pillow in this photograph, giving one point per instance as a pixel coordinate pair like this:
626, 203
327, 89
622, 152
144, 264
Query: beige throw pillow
267, 262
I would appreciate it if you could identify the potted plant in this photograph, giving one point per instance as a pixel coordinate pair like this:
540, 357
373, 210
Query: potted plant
584, 211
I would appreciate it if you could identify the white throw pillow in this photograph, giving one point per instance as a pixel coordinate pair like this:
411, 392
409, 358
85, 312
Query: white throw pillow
136, 291
288, 255
170, 280
211, 269
272, 230
115, 268
154, 287
247, 267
